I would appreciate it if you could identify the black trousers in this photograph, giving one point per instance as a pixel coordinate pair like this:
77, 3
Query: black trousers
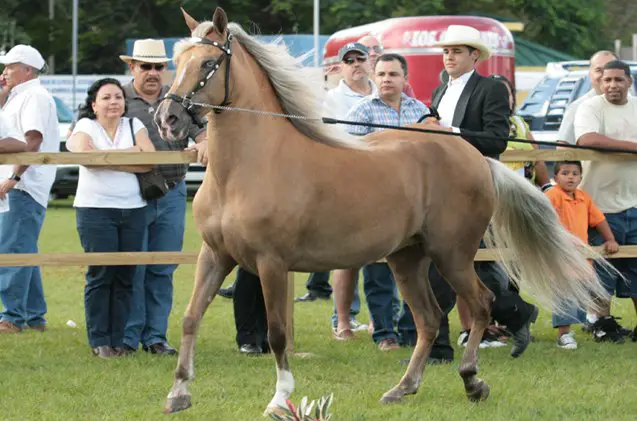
249, 311
319, 284
508, 308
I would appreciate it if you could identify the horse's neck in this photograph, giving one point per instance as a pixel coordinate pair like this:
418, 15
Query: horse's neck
244, 141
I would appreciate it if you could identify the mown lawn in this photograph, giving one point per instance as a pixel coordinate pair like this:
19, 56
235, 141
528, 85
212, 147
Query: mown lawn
53, 376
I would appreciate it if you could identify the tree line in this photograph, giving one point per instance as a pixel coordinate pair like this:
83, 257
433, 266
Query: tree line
575, 27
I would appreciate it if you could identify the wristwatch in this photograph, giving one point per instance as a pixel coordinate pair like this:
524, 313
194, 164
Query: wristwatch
15, 177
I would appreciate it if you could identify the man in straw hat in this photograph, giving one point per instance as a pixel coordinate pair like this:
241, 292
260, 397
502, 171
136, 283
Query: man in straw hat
473, 105
153, 295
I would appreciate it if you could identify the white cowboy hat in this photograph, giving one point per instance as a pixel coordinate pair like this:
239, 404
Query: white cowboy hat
465, 35
148, 51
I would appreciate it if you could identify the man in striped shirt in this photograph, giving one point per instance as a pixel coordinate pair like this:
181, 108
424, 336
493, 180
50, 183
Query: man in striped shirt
392, 107
389, 105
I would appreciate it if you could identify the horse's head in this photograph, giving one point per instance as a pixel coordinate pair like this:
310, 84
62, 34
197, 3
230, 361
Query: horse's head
202, 76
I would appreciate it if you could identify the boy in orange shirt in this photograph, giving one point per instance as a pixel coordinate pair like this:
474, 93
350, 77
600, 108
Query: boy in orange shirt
577, 213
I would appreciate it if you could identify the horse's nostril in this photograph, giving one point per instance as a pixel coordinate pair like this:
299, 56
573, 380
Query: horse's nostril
172, 119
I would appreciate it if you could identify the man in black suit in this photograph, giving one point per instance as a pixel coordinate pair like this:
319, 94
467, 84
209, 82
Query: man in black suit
476, 106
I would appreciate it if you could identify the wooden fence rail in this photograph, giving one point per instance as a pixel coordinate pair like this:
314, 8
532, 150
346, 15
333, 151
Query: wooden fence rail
175, 157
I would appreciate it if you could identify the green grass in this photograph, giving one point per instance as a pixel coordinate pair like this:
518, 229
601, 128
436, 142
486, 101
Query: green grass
53, 375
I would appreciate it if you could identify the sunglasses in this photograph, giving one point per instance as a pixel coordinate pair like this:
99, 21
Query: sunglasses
351, 60
377, 49
147, 66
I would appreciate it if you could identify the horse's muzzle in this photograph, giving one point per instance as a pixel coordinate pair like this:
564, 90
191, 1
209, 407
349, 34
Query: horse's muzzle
173, 121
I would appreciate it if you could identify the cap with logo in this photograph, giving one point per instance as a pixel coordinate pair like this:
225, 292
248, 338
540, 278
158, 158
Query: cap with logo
352, 46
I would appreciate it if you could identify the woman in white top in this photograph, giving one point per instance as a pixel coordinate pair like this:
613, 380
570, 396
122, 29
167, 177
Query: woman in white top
110, 211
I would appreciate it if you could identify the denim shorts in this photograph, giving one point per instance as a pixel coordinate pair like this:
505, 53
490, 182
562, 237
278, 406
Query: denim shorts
624, 227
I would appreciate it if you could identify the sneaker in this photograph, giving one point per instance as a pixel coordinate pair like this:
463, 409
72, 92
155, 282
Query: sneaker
388, 344
606, 329
489, 340
567, 341
356, 326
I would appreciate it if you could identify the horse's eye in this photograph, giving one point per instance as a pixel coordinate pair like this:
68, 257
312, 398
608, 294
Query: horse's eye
209, 64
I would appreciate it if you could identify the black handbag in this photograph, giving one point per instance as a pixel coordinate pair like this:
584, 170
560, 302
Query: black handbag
152, 184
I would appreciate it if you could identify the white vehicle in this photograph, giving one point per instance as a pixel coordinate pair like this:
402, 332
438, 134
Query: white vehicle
563, 83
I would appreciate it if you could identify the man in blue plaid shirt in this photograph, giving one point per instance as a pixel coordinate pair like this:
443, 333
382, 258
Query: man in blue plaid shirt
389, 105
392, 107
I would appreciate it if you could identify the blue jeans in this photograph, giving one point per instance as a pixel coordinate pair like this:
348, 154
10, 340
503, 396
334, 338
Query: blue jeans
571, 316
379, 285
153, 294
21, 287
624, 227
108, 290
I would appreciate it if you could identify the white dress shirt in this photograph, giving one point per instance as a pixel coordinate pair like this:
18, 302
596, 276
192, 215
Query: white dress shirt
30, 107
449, 101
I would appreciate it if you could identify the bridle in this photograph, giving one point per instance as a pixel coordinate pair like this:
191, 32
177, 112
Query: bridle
186, 100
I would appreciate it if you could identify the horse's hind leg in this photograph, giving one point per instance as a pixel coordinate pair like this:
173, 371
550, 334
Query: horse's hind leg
456, 267
410, 267
273, 277
212, 269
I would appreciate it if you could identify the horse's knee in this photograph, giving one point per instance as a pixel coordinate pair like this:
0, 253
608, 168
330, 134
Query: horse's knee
276, 337
181, 373
189, 326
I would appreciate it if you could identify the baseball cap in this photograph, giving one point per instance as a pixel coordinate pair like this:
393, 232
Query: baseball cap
352, 46
24, 54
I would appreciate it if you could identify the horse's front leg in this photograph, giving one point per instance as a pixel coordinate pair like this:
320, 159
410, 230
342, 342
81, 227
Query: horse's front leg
212, 269
273, 275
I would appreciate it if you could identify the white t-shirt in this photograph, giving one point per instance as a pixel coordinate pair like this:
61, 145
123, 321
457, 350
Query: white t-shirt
7, 129
31, 107
100, 188
612, 185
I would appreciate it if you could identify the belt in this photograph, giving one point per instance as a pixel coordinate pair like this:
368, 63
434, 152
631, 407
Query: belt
172, 184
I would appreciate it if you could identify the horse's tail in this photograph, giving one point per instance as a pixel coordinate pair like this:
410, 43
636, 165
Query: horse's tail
541, 255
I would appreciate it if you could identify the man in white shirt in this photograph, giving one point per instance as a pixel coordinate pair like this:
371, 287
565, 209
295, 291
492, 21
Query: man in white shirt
595, 70
476, 106
610, 120
31, 110
354, 86
10, 138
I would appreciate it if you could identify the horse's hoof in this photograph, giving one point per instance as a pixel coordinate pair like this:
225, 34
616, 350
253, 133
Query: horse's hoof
479, 393
392, 396
178, 403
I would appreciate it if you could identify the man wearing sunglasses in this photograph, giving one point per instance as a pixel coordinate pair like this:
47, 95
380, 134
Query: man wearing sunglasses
153, 295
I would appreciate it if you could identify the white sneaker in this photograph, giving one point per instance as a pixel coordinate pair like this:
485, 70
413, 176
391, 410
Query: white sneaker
356, 326
567, 341
488, 340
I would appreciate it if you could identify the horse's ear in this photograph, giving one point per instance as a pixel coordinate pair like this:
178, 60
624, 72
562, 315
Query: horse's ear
190, 21
220, 21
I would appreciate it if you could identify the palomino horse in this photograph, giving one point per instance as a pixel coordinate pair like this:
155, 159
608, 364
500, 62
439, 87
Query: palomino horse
286, 194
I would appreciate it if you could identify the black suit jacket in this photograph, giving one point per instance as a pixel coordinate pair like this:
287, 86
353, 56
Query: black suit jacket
482, 110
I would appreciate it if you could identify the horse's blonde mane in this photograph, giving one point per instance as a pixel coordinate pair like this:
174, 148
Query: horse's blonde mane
299, 89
